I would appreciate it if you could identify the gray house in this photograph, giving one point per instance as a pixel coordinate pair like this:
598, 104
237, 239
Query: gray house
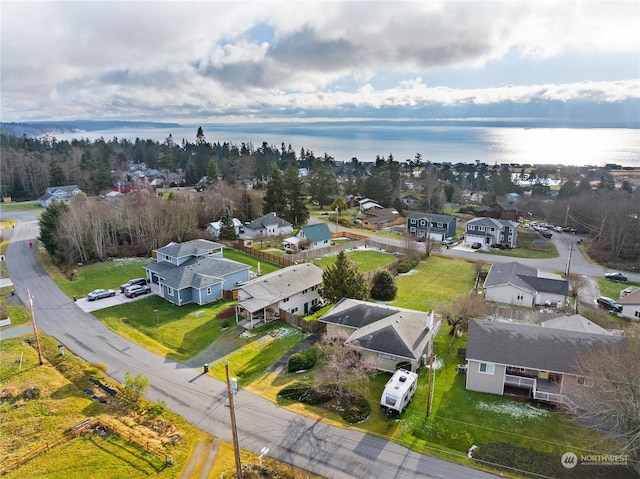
515, 283
491, 231
507, 358
195, 272
61, 194
268, 225
431, 225
392, 337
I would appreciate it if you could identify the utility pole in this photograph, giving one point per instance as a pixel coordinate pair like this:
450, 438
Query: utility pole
572, 239
35, 329
234, 431
566, 217
430, 385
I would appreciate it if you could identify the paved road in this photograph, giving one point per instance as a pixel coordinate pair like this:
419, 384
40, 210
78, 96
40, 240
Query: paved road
324, 450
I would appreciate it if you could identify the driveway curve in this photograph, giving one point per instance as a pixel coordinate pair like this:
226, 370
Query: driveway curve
309, 444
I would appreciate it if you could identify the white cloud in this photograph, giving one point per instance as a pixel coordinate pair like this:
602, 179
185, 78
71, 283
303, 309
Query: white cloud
171, 59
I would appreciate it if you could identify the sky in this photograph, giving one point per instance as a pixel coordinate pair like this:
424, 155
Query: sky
209, 61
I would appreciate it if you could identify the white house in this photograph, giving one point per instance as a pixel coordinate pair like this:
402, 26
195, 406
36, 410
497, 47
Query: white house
310, 236
295, 289
631, 305
215, 227
490, 231
515, 283
268, 225
61, 194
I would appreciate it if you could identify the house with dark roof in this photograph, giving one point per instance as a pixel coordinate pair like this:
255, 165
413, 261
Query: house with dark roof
490, 231
267, 225
499, 211
59, 194
431, 225
294, 289
515, 283
309, 237
392, 337
507, 358
195, 272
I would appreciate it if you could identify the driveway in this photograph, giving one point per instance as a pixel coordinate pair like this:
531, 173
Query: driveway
322, 449
88, 306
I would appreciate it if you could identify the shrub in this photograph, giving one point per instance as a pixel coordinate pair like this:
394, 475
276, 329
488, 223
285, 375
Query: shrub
303, 392
384, 287
356, 410
406, 266
302, 361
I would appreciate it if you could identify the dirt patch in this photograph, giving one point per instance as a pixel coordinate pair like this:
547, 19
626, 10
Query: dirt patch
230, 312
201, 460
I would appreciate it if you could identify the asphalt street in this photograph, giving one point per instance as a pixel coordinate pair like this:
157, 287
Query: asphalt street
306, 443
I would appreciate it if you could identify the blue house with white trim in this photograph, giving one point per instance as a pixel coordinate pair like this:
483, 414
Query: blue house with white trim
195, 272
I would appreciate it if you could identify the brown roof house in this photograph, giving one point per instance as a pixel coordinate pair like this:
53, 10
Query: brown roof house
378, 218
499, 211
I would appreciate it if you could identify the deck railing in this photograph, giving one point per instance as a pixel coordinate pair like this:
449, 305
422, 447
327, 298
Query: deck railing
520, 381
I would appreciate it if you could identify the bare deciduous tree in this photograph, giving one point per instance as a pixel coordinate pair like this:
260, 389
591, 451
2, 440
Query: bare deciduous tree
607, 391
343, 368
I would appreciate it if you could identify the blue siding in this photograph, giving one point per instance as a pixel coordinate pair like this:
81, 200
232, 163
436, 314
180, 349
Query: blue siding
232, 280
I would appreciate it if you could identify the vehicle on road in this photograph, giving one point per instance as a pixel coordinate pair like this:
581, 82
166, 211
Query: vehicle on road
100, 293
616, 277
546, 234
609, 304
132, 282
137, 290
476, 246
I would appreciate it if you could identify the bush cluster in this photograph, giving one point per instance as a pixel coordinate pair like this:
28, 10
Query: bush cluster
406, 266
356, 410
302, 361
303, 392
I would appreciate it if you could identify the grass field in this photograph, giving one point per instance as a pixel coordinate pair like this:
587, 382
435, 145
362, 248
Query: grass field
22, 206
367, 260
612, 289
57, 401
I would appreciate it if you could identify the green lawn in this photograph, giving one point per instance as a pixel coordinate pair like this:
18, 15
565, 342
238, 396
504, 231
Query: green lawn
22, 206
265, 266
178, 332
367, 260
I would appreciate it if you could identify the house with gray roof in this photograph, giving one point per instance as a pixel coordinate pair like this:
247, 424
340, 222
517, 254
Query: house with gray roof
515, 283
507, 358
268, 225
294, 289
630, 305
491, 231
431, 225
59, 194
392, 337
195, 272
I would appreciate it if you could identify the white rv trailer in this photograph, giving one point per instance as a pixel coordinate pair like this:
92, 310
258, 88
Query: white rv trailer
398, 391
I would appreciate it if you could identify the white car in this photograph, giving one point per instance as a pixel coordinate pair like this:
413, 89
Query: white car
100, 293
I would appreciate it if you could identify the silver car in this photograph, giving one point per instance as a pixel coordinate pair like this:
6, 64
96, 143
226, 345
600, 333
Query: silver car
100, 293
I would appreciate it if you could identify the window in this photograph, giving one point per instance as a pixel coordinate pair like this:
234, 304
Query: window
294, 310
586, 382
305, 291
209, 291
386, 356
169, 290
487, 368
412, 229
480, 228
520, 297
285, 300
637, 314
492, 230
423, 223
166, 257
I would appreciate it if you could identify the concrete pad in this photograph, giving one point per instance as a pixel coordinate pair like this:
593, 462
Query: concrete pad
89, 306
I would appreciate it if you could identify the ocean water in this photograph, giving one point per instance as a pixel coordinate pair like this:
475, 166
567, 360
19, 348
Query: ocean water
366, 140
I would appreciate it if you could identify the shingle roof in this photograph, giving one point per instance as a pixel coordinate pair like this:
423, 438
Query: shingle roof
575, 322
267, 220
524, 277
433, 217
348, 312
533, 347
491, 222
189, 248
317, 232
632, 298
196, 272
273, 287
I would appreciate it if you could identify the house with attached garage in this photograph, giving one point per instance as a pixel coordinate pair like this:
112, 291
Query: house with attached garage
491, 231
195, 272
59, 194
430, 225
392, 337
518, 359
294, 289
520, 285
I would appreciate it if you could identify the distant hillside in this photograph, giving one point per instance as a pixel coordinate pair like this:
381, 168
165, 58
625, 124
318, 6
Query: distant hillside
52, 127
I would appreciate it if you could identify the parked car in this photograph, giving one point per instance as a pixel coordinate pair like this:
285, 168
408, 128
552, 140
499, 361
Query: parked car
447, 241
100, 293
557, 229
546, 234
609, 304
137, 290
616, 277
132, 282
476, 246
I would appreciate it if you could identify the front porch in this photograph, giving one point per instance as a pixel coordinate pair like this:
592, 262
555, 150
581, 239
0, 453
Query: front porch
252, 319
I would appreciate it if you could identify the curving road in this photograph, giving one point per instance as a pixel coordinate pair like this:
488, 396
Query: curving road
311, 445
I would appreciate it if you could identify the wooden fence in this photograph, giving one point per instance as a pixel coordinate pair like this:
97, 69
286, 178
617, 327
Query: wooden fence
297, 321
519, 314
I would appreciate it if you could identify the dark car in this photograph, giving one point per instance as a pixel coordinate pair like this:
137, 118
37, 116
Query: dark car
137, 290
546, 234
476, 246
609, 304
100, 293
616, 277
132, 282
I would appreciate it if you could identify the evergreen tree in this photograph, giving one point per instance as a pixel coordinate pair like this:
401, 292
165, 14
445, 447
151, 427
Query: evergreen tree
296, 201
323, 185
49, 226
384, 286
274, 198
227, 229
343, 280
